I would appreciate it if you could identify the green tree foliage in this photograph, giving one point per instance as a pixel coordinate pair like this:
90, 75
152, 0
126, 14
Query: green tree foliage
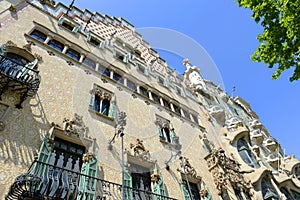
279, 43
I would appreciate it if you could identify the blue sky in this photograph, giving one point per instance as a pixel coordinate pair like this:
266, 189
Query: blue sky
228, 34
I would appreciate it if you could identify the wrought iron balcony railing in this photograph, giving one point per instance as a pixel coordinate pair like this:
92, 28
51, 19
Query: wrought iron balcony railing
34, 187
18, 77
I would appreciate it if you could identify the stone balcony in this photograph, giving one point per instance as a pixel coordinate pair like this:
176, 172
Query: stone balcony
257, 136
60, 183
18, 78
270, 144
236, 127
218, 113
255, 124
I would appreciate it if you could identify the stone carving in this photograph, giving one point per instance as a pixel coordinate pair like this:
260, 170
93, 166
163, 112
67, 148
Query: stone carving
162, 122
28, 46
192, 76
155, 178
227, 171
187, 168
10, 43
102, 94
87, 157
75, 127
138, 150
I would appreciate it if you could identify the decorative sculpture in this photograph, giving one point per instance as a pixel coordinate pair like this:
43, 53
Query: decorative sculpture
192, 75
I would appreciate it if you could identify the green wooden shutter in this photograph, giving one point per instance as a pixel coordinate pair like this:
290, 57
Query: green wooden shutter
102, 44
43, 156
146, 71
2, 49
185, 192
76, 29
209, 195
87, 185
92, 100
160, 134
114, 52
172, 135
89, 36
127, 185
159, 188
112, 110
182, 92
61, 20
126, 58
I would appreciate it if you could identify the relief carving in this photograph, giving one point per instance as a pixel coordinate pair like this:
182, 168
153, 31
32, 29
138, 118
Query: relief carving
75, 127
138, 150
87, 157
187, 169
227, 171
102, 94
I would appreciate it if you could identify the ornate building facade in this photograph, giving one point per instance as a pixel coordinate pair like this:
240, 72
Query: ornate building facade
90, 111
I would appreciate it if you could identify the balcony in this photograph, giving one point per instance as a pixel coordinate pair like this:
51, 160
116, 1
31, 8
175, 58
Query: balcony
18, 78
58, 183
257, 136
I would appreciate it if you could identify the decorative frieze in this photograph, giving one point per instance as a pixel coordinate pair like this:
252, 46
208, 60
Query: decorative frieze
188, 169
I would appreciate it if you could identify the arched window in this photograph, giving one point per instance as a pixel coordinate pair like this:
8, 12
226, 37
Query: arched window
268, 191
286, 193
246, 154
296, 172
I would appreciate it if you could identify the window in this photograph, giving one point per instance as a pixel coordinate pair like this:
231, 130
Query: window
101, 102
176, 109
166, 104
56, 45
121, 57
194, 190
186, 114
160, 80
117, 77
195, 118
268, 191
296, 172
94, 41
141, 180
246, 154
17, 58
155, 98
73, 54
89, 62
39, 35
67, 24
131, 85
143, 91
286, 193
142, 69
104, 71
68, 150
165, 132
296, 195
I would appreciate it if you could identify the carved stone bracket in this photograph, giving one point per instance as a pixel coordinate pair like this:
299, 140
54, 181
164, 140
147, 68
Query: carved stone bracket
87, 157
226, 171
188, 169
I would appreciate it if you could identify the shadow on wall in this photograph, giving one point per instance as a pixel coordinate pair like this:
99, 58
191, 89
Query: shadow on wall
23, 131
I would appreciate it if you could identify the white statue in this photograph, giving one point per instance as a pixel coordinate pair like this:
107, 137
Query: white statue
192, 74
